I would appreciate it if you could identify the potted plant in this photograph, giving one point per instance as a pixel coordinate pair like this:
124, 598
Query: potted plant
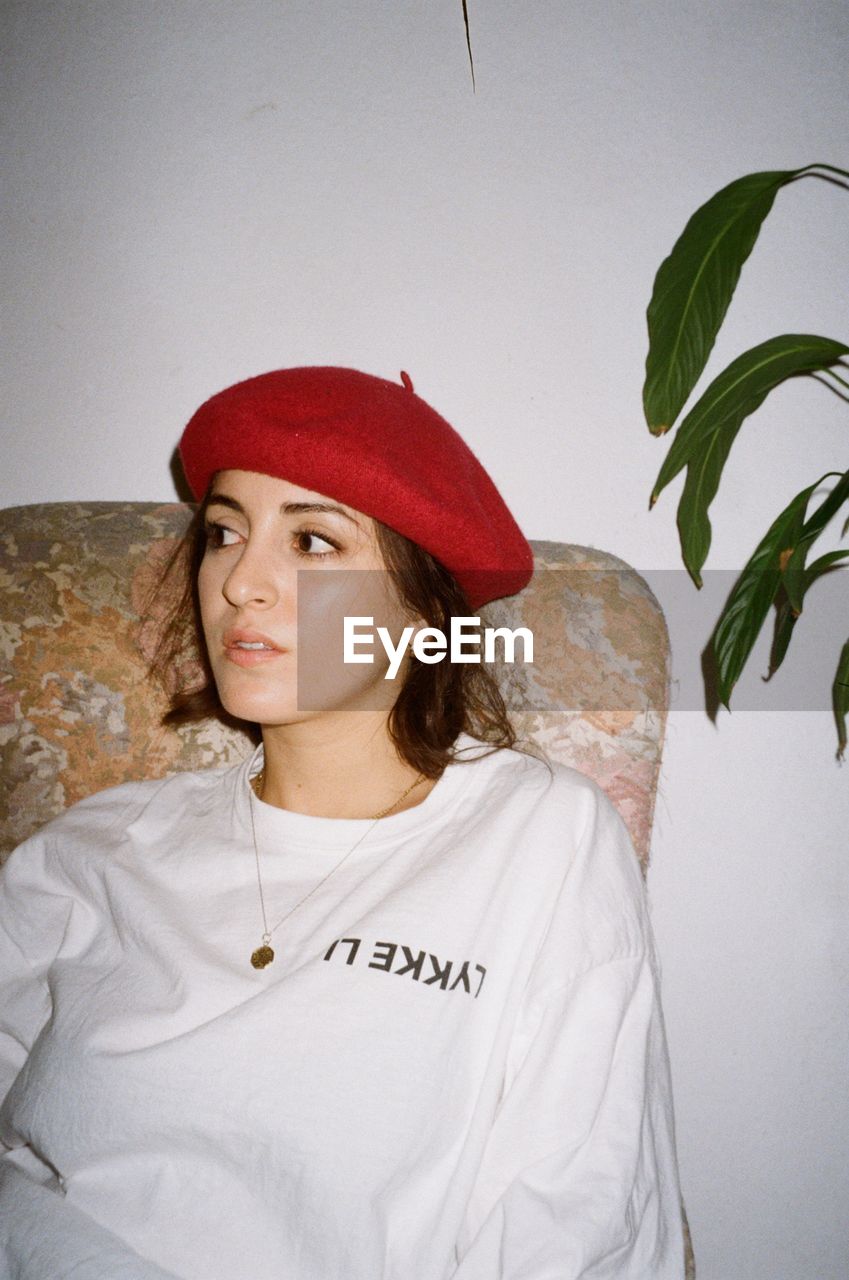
692, 291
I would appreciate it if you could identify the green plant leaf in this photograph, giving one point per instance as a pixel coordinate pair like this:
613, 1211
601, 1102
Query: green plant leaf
840, 698
694, 286
822, 565
696, 282
811, 575
786, 615
744, 613
785, 621
700, 486
795, 574
740, 389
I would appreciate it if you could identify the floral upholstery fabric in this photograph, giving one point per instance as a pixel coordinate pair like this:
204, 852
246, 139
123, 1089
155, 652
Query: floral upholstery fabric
78, 712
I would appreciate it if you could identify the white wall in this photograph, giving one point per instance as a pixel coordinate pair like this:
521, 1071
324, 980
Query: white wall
199, 191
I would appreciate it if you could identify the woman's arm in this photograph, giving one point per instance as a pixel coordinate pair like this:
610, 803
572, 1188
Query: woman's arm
33, 918
579, 1177
41, 1233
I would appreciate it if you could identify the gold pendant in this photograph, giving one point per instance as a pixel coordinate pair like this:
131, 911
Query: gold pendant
262, 956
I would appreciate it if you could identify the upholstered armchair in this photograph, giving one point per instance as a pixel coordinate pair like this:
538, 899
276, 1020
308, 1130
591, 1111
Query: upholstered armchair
78, 712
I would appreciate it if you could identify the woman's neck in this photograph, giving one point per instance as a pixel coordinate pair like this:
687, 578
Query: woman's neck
344, 766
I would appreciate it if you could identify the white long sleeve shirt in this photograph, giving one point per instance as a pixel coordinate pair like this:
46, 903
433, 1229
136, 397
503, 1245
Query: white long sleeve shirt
454, 1069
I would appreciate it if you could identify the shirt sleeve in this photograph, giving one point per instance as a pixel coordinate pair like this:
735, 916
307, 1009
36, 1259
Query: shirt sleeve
579, 1177
41, 1233
44, 890
34, 912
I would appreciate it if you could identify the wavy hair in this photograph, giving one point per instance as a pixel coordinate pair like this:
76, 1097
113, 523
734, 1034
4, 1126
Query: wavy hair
436, 702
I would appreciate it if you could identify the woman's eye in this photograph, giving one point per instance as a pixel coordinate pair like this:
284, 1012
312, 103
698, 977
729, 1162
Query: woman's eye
314, 545
218, 535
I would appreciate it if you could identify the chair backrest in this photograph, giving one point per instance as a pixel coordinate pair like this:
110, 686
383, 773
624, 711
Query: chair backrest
79, 713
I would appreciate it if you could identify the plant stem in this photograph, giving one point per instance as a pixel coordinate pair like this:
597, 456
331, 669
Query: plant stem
469, 45
835, 390
829, 167
837, 378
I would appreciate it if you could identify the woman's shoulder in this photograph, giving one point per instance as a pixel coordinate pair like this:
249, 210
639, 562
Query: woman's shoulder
576, 822
564, 836
118, 803
95, 823
526, 772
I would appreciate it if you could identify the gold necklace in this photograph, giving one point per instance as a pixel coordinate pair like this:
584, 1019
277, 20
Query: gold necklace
264, 954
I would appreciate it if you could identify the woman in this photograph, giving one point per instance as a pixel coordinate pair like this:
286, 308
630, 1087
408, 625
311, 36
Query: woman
379, 1002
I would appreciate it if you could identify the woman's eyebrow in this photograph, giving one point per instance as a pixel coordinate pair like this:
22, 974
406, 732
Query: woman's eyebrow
295, 508
224, 500
287, 509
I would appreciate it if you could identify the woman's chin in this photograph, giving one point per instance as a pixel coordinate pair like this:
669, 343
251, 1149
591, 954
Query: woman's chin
262, 711
268, 712
256, 704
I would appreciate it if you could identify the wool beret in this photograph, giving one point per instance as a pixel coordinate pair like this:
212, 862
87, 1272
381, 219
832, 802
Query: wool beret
379, 448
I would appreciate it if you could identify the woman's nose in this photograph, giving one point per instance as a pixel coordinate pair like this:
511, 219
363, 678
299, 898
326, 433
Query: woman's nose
252, 581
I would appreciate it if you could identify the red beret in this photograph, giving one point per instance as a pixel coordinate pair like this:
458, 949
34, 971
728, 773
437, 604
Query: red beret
375, 446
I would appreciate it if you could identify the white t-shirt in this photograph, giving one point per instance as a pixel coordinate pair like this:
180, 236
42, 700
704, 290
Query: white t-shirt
454, 1067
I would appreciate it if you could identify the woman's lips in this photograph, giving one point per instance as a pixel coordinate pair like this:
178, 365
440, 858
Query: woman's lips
250, 649
251, 657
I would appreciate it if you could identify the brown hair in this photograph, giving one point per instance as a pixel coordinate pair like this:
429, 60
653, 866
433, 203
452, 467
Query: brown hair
437, 701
